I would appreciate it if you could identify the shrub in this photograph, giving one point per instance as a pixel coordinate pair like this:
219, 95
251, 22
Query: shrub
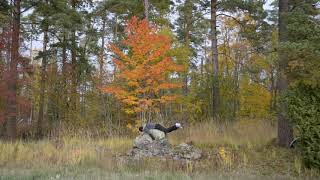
304, 111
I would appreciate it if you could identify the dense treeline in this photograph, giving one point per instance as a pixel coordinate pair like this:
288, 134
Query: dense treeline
235, 59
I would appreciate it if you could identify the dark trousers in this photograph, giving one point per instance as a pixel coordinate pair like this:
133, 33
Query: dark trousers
165, 130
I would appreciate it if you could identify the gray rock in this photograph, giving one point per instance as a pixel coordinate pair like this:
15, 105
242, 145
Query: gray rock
157, 134
142, 140
144, 146
145, 139
187, 151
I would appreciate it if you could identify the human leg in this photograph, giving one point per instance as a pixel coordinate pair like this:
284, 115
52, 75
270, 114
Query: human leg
166, 130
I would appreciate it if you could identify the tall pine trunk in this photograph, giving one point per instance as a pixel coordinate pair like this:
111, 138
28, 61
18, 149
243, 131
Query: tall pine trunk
74, 101
12, 83
43, 81
215, 66
103, 98
285, 132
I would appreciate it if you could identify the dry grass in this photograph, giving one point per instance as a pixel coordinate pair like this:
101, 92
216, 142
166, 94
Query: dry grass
64, 152
245, 132
242, 149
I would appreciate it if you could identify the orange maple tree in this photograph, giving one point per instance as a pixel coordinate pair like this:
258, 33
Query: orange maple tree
143, 68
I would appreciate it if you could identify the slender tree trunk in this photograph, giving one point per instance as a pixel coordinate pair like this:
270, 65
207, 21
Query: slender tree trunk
236, 74
285, 132
215, 67
272, 90
73, 73
236, 85
64, 91
43, 82
74, 95
275, 98
185, 78
8, 52
188, 24
146, 9
31, 45
64, 59
9, 40
201, 67
12, 83
101, 56
103, 97
204, 62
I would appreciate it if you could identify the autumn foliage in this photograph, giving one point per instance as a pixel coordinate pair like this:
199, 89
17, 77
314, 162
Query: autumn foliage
143, 68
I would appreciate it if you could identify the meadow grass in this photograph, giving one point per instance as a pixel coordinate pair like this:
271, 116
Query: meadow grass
244, 132
242, 150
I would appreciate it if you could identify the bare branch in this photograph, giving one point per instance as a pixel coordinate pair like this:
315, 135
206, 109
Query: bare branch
229, 16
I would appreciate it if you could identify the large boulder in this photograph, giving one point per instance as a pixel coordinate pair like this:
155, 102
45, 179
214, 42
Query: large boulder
157, 134
145, 146
186, 151
144, 139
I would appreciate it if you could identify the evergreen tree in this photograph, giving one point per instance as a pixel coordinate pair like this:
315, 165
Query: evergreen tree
12, 82
301, 51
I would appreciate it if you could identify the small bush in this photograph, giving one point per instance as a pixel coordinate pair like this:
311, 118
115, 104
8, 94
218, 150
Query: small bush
304, 111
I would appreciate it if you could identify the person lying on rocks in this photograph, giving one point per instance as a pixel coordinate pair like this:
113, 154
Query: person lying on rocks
157, 131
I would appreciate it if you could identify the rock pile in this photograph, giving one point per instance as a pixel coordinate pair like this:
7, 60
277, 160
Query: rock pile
145, 146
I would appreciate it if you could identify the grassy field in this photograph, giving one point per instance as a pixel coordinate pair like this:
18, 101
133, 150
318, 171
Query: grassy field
243, 150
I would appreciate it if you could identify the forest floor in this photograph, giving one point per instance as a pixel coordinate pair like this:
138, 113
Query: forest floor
242, 150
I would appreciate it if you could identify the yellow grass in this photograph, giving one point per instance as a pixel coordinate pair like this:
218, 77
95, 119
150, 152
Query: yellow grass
67, 151
244, 132
244, 147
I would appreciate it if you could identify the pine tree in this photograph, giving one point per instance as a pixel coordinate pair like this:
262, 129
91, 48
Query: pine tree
12, 82
299, 53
